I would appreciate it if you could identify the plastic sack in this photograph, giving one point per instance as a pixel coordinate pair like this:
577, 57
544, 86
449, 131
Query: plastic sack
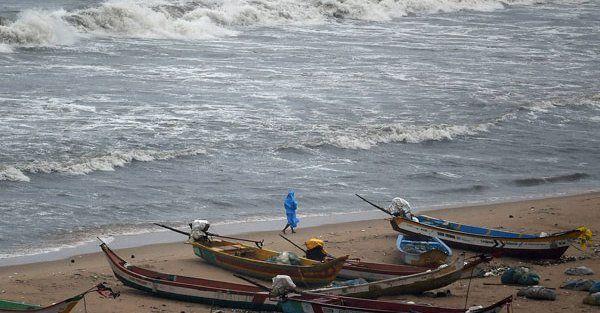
579, 271
400, 207
579, 284
282, 285
199, 227
521, 276
537, 293
592, 299
595, 287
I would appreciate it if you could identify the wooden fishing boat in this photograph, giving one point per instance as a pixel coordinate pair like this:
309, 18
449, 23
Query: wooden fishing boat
312, 303
253, 261
64, 306
411, 284
423, 251
354, 269
483, 239
191, 289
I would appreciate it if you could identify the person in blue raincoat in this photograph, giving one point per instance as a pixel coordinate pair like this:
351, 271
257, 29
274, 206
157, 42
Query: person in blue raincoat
291, 205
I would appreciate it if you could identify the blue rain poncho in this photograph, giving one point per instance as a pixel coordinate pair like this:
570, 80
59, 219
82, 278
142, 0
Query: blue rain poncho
291, 205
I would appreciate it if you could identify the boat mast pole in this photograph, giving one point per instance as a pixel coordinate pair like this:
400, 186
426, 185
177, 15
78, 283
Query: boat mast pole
375, 205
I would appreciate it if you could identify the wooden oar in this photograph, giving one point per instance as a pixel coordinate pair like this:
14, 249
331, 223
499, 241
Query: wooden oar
375, 205
257, 243
293, 244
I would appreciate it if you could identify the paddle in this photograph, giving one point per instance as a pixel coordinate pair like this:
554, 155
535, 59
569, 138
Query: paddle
257, 243
375, 205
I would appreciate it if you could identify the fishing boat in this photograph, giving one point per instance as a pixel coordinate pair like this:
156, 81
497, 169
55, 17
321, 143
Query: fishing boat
231, 295
411, 284
64, 306
481, 239
311, 303
487, 240
422, 251
258, 262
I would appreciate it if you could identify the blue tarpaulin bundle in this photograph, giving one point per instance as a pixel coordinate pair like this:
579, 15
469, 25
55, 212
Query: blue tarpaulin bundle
291, 205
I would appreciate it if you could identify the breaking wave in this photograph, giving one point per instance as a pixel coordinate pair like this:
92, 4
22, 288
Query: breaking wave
370, 136
84, 166
534, 181
208, 19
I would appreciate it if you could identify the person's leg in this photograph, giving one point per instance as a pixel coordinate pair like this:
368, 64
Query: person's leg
286, 227
293, 231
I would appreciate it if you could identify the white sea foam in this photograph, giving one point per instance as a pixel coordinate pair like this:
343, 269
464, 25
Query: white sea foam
11, 173
5, 48
87, 165
194, 20
368, 137
38, 28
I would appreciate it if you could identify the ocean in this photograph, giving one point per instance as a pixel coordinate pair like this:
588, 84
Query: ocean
117, 114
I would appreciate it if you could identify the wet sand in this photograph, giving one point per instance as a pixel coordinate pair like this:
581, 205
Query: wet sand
371, 240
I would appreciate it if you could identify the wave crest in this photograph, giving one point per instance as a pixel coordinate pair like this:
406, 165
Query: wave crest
87, 165
371, 136
208, 19
40, 28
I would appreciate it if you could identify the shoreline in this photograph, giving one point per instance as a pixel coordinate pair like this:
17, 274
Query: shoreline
370, 240
157, 236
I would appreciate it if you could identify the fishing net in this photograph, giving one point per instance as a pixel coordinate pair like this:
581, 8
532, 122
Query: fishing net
288, 258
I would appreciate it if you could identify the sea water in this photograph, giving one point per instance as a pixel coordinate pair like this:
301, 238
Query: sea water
117, 114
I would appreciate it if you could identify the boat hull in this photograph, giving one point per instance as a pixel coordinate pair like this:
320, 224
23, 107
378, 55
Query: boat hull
550, 247
65, 306
411, 284
190, 289
377, 271
319, 304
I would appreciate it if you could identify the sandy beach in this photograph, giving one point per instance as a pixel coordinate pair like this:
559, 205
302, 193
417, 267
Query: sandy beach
371, 240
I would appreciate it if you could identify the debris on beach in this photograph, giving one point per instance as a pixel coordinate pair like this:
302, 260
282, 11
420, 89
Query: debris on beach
538, 293
520, 275
579, 271
592, 299
561, 260
578, 284
485, 270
